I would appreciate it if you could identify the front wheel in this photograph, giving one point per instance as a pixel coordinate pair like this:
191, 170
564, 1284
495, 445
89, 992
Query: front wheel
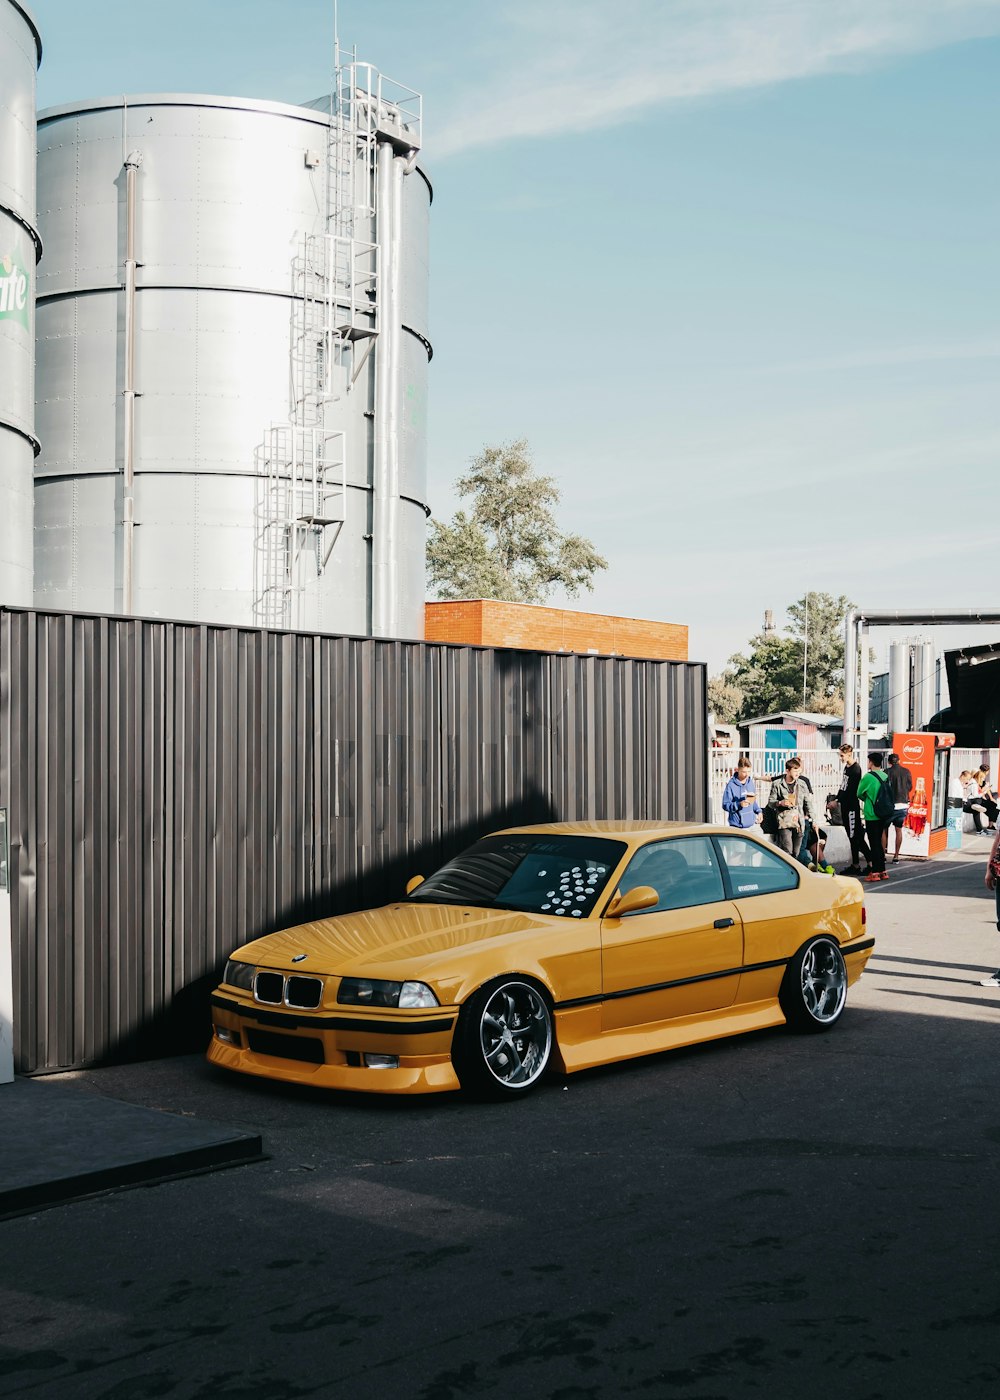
503, 1040
814, 988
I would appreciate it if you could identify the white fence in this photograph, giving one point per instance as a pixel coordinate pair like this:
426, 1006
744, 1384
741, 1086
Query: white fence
975, 758
822, 767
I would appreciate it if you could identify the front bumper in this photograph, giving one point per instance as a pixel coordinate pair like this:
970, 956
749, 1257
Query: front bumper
327, 1049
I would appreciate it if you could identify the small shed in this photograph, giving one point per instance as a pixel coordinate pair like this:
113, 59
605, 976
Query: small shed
794, 730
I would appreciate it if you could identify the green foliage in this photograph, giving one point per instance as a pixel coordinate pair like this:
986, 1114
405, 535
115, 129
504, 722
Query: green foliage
508, 545
770, 672
725, 701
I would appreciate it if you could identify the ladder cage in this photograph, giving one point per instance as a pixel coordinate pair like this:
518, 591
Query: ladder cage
300, 505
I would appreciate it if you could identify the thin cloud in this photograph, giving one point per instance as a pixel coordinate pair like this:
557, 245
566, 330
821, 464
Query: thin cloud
582, 65
887, 357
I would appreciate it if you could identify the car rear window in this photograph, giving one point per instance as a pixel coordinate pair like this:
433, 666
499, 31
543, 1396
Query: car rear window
753, 869
559, 875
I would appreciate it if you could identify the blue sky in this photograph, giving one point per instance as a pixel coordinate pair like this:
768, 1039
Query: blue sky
730, 266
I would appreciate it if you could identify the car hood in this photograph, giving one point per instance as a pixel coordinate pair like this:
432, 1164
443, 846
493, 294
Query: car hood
409, 935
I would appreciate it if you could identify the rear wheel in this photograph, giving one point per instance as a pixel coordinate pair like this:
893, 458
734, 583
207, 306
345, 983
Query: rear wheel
814, 988
503, 1041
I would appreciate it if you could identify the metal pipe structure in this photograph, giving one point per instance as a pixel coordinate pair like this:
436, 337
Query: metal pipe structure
132, 163
391, 168
923, 684
856, 624
899, 687
850, 678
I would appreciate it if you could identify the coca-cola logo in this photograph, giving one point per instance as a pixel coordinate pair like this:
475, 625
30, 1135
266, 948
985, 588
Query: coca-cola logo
913, 750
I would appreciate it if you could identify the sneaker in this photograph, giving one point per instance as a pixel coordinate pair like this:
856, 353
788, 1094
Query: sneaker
883, 875
993, 981
872, 878
851, 870
895, 860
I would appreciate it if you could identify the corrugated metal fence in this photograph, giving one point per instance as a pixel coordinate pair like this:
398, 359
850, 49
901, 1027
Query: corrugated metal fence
174, 789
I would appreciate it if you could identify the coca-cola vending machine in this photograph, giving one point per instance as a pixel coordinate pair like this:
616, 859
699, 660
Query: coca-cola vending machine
925, 827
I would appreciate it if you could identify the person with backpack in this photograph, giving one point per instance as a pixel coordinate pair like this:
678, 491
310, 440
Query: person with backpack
792, 807
879, 805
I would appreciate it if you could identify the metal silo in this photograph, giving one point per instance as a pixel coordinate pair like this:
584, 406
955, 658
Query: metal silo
210, 339
20, 53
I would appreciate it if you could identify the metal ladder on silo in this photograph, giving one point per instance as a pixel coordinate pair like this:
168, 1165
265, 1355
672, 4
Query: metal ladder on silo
302, 465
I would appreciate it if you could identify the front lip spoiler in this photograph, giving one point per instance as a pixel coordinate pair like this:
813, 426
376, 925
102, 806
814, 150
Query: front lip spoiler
289, 1020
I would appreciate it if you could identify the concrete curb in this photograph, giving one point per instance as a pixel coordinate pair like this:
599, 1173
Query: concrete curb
62, 1141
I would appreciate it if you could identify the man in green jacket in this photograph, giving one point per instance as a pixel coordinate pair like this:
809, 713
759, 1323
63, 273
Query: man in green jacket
874, 827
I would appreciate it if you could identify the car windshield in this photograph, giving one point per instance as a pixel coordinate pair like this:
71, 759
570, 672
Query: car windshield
563, 875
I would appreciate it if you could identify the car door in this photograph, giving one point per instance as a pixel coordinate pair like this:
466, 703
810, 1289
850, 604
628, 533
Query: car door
683, 955
776, 919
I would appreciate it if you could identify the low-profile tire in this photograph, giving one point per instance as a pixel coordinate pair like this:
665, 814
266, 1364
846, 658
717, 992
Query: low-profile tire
814, 988
504, 1037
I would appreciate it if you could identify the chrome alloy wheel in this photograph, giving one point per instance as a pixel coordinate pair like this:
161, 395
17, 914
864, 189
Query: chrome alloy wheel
515, 1035
823, 980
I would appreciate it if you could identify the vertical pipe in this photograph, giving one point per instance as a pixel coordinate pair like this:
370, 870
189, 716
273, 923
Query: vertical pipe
132, 162
899, 688
923, 684
864, 687
385, 464
851, 678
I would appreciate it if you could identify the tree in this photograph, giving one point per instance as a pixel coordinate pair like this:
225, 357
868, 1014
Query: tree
817, 624
801, 671
725, 701
767, 675
507, 545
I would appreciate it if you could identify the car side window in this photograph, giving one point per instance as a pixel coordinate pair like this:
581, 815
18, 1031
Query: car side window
683, 872
753, 869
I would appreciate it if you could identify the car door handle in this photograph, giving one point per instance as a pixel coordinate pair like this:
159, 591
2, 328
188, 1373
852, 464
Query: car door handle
724, 923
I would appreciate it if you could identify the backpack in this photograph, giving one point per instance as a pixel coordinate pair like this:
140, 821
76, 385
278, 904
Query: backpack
884, 803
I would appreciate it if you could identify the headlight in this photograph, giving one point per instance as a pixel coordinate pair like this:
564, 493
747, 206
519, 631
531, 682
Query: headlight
239, 974
362, 991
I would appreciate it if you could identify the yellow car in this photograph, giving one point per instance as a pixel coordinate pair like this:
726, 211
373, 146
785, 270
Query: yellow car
561, 946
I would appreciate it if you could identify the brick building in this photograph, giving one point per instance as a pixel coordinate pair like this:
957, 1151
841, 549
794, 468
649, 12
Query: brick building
487, 622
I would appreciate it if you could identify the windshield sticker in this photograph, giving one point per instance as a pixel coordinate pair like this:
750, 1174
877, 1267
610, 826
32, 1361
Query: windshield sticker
579, 884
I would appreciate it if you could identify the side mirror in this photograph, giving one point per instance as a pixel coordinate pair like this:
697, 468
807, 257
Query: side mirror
413, 882
641, 897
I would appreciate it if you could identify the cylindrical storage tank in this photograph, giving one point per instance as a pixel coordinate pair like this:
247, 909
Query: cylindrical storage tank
899, 687
20, 53
924, 683
168, 317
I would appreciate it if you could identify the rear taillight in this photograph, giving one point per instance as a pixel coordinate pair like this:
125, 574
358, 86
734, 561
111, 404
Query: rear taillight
864, 916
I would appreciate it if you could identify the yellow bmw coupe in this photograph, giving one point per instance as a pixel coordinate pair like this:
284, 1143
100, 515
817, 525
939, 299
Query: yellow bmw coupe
560, 946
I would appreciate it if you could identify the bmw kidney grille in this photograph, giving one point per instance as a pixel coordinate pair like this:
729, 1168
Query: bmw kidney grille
275, 990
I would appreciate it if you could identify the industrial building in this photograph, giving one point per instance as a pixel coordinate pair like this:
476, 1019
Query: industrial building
20, 248
230, 328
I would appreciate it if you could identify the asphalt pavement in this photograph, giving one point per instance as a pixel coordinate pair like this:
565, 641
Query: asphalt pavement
768, 1215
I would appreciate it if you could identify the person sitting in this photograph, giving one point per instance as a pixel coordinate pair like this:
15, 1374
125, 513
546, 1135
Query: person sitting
981, 777
971, 801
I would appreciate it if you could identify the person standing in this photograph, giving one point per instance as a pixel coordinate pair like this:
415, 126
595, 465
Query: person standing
993, 883
850, 811
901, 782
792, 807
814, 839
739, 801
868, 792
